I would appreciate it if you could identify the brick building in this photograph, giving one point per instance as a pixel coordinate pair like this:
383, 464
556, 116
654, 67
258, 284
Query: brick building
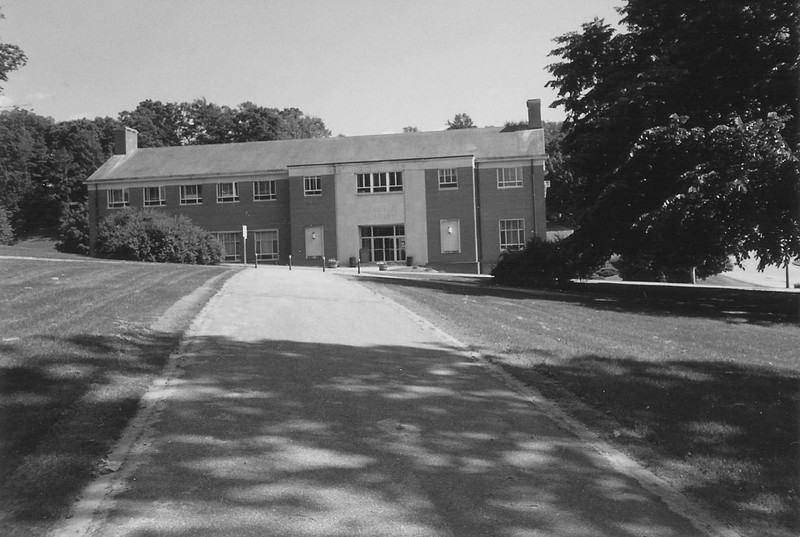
452, 200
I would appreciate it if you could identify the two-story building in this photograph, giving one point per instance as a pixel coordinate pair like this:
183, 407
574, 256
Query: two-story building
452, 200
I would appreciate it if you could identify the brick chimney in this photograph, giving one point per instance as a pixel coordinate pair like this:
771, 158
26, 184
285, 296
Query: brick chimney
126, 141
534, 113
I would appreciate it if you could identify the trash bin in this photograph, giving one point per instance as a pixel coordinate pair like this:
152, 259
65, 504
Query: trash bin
410, 261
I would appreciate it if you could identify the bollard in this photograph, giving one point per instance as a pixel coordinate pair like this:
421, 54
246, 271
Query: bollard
290, 262
323, 263
358, 264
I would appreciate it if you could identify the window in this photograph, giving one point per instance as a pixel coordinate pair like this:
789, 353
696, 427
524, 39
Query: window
384, 243
227, 192
118, 198
509, 177
264, 190
512, 234
266, 245
370, 183
191, 194
231, 245
448, 178
311, 185
154, 196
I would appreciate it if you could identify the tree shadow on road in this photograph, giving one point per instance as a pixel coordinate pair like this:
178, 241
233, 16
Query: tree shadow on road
294, 438
726, 432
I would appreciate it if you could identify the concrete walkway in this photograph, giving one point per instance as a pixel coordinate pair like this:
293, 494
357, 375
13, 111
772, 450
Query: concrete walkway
307, 405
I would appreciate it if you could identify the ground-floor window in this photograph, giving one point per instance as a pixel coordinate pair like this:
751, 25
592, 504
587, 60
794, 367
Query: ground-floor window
512, 234
231, 245
266, 244
383, 243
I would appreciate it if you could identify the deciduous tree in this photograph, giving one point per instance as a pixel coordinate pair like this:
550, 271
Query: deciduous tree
689, 89
11, 59
460, 121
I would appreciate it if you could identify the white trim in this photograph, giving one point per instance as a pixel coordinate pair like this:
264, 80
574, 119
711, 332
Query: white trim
312, 181
273, 188
447, 173
520, 229
274, 256
504, 182
233, 198
184, 200
126, 198
158, 202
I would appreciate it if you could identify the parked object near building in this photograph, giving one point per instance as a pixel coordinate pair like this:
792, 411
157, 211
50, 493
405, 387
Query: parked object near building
452, 200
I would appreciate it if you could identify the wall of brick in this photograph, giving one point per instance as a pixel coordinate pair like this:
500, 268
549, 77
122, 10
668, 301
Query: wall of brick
451, 204
497, 204
308, 211
257, 215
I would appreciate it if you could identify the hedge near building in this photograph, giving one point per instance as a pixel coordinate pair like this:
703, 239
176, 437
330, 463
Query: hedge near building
142, 235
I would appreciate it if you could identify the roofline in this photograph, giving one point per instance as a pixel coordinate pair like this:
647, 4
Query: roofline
186, 176
180, 177
351, 162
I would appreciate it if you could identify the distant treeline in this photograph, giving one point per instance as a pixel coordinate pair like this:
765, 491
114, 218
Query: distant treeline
44, 163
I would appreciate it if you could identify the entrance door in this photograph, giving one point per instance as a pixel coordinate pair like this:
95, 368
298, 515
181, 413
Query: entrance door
315, 242
383, 243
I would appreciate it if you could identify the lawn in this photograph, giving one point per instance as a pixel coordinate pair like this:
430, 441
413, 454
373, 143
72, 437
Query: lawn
705, 392
78, 349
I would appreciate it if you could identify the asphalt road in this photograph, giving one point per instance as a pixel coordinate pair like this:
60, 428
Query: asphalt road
307, 405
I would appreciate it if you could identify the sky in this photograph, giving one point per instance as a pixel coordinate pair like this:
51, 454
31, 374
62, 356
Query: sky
363, 66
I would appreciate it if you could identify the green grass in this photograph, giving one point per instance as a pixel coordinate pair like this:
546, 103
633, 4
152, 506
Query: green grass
705, 392
76, 354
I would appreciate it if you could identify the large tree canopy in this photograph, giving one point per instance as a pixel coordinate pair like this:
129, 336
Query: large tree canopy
43, 164
202, 122
682, 131
11, 59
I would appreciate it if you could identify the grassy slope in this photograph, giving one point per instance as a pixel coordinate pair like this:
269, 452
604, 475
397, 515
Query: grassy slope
707, 401
76, 354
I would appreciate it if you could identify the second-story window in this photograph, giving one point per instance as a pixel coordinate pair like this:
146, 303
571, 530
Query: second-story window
191, 195
509, 177
448, 178
227, 192
154, 196
312, 186
264, 190
371, 183
118, 198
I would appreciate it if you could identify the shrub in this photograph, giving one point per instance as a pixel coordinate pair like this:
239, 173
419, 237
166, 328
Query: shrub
546, 264
146, 235
539, 264
73, 229
6, 231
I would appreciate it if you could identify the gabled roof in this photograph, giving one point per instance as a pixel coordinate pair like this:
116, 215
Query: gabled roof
260, 157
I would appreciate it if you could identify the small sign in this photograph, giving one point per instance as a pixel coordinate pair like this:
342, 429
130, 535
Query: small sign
244, 232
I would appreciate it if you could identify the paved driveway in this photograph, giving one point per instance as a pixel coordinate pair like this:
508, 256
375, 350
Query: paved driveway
310, 406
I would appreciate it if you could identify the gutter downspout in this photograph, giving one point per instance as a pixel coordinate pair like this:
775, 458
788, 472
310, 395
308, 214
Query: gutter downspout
533, 197
93, 221
476, 196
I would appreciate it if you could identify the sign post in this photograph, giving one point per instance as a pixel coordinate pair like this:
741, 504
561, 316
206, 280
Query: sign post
244, 243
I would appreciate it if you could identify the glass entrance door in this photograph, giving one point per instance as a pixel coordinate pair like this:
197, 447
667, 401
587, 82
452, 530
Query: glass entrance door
383, 243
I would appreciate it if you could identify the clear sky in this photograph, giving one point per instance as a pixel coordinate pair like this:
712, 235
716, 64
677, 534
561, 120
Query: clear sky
363, 66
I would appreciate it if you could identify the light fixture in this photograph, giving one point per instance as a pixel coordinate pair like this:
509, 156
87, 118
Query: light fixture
313, 235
